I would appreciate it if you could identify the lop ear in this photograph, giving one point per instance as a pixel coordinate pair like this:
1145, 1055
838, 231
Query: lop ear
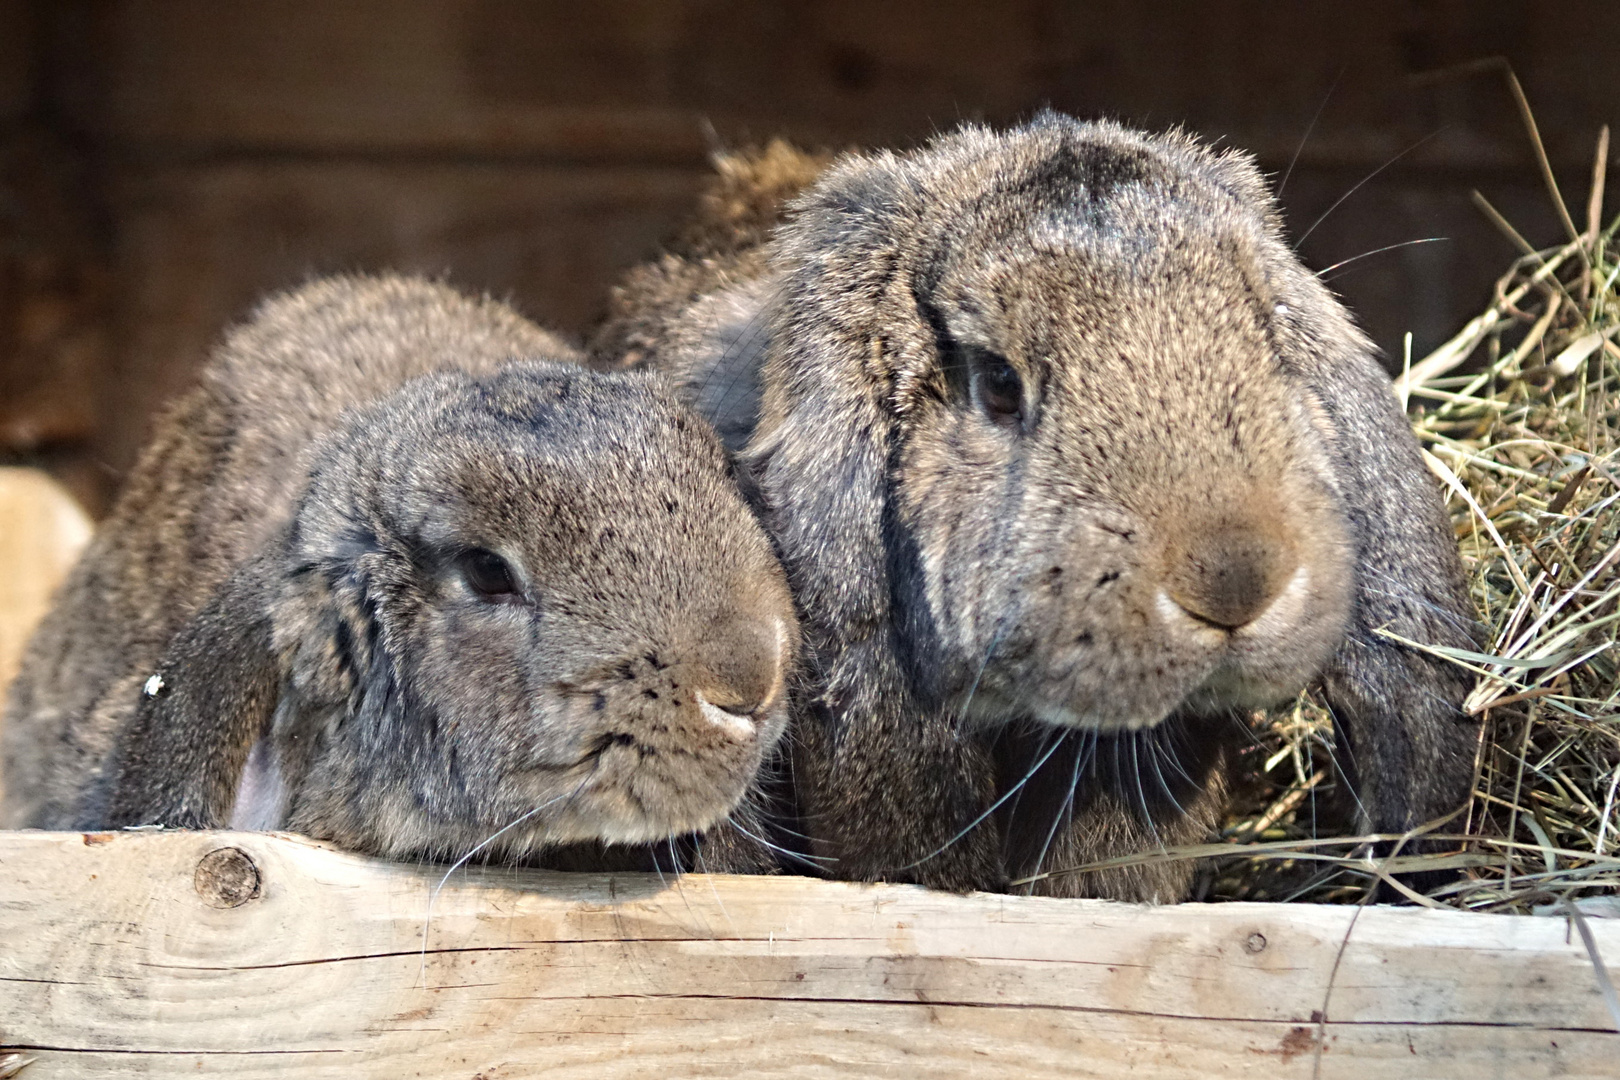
886, 782
821, 448
1410, 749
179, 758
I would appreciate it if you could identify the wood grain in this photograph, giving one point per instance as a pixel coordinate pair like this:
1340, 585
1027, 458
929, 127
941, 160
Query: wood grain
120, 958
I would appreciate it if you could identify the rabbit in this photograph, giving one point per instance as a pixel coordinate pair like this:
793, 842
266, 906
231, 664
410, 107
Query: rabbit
1072, 464
379, 581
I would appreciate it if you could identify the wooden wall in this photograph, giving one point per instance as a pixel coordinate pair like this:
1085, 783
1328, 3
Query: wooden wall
164, 162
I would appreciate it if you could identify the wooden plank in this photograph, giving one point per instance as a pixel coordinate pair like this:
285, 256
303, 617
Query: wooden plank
54, 292
18, 48
123, 956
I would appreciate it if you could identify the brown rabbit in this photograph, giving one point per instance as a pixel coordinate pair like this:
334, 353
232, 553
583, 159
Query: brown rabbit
1070, 462
378, 581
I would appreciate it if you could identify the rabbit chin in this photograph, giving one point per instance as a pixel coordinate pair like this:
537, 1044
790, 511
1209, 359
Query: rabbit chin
614, 816
1226, 690
1235, 680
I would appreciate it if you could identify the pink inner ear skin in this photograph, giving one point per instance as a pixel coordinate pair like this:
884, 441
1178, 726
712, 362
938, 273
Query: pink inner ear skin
261, 796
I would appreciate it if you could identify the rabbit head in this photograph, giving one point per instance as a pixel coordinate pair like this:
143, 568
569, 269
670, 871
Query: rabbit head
532, 605
1069, 460
1030, 390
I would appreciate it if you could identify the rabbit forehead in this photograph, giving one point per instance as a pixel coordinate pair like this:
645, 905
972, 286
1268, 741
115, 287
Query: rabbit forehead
1067, 183
555, 503
618, 494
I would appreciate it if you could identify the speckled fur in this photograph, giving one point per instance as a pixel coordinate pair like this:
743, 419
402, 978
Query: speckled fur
1196, 409
284, 557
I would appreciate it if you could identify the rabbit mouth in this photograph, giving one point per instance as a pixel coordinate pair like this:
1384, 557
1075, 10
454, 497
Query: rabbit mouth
641, 809
626, 789
1233, 676
1129, 685
596, 802
739, 725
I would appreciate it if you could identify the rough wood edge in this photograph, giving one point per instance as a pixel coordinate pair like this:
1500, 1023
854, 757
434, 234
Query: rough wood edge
251, 953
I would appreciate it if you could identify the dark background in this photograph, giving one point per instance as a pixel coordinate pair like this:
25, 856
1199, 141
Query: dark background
163, 162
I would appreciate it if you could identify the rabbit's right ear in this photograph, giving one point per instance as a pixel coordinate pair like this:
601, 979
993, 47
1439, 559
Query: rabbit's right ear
820, 451
178, 760
847, 330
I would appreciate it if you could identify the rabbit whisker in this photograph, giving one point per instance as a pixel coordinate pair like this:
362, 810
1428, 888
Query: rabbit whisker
1241, 723
1333, 750
1305, 138
1051, 733
1154, 753
1360, 183
433, 897
809, 860
1323, 273
1065, 809
1173, 733
1141, 792
756, 327
679, 878
974, 824
995, 643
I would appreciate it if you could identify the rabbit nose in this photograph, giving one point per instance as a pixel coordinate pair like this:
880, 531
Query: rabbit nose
744, 661
1229, 576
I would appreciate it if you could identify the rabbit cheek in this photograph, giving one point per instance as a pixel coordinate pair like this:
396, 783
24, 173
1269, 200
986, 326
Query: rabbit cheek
1091, 648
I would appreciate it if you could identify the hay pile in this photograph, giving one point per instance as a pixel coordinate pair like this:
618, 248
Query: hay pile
1525, 443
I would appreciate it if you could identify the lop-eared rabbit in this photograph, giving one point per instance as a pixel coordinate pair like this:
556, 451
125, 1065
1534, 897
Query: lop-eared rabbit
1071, 463
378, 580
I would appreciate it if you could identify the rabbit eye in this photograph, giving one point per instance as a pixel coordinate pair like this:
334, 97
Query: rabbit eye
488, 575
999, 389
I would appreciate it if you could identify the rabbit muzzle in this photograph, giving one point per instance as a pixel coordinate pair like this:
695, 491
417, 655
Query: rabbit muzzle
669, 742
1128, 620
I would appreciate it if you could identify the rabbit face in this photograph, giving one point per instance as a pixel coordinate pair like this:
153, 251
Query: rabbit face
520, 617
1106, 495
1120, 508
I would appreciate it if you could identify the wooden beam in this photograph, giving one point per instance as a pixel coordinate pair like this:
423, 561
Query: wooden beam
260, 954
200, 245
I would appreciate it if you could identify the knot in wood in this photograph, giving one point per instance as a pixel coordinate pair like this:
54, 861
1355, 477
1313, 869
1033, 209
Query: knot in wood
1255, 943
226, 878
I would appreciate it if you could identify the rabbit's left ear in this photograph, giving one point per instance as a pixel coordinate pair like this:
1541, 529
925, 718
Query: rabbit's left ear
178, 760
1411, 748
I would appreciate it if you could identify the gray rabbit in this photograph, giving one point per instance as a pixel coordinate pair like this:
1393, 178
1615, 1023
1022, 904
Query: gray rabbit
378, 581
1071, 463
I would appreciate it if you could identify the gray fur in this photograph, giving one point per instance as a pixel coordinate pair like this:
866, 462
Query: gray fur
289, 559
1205, 498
